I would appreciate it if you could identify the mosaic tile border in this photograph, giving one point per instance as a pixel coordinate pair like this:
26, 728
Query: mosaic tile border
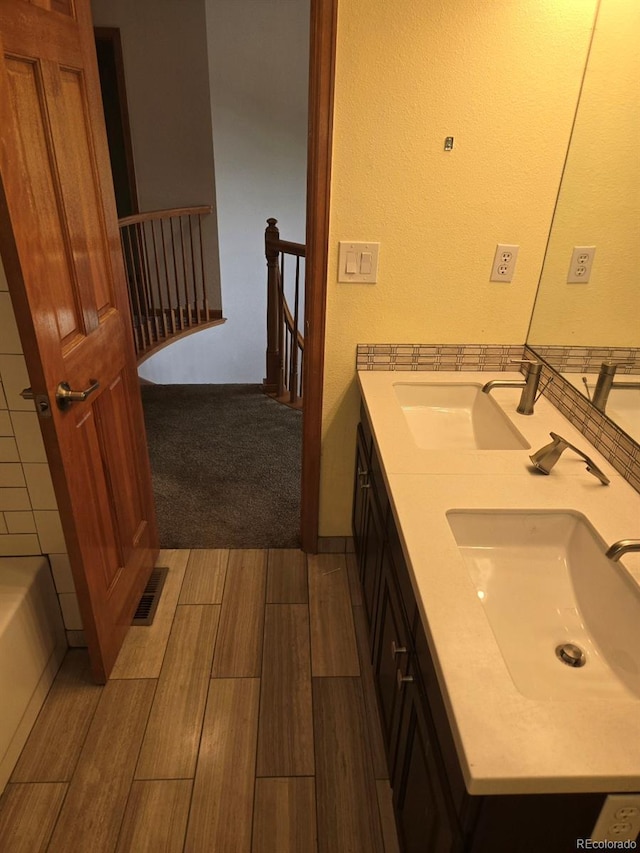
588, 359
612, 442
430, 357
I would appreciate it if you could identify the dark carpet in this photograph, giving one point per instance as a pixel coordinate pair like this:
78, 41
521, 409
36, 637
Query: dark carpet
225, 462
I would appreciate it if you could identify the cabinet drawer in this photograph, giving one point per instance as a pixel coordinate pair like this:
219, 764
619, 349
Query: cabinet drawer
392, 652
433, 697
402, 573
378, 486
367, 435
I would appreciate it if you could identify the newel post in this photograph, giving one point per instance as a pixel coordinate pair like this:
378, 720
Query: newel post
271, 235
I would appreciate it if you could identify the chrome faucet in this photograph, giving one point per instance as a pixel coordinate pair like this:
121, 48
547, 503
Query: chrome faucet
529, 386
605, 383
545, 458
624, 546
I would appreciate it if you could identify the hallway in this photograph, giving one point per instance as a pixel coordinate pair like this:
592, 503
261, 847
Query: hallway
243, 719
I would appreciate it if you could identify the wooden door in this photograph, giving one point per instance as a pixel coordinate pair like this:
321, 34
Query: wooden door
60, 245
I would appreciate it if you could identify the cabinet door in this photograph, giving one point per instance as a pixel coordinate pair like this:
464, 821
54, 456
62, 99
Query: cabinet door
371, 564
391, 656
361, 488
423, 817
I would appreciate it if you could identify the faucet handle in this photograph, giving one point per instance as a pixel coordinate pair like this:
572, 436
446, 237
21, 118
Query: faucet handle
609, 366
535, 366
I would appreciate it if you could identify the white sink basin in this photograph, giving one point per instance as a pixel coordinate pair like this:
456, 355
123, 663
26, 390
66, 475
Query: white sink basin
456, 415
544, 582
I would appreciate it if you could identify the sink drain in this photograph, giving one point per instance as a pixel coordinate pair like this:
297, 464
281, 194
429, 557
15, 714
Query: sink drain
571, 655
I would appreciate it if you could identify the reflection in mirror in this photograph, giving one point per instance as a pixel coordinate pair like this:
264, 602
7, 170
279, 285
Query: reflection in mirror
578, 326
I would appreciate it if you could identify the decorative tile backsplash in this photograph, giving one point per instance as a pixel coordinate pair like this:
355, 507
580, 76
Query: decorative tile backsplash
612, 442
589, 359
426, 357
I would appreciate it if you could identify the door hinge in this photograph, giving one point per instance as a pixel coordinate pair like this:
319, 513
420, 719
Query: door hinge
41, 400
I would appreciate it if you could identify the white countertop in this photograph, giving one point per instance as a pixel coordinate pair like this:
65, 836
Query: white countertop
507, 742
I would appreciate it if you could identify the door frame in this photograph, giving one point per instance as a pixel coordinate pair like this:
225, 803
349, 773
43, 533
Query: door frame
323, 30
111, 36
322, 55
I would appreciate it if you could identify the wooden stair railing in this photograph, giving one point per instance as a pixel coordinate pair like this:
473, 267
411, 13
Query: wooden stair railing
285, 341
165, 266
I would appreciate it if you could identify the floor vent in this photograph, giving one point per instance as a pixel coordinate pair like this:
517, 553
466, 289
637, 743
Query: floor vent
148, 603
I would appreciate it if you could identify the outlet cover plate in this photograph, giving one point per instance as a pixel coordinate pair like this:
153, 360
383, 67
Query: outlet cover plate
619, 819
504, 262
581, 263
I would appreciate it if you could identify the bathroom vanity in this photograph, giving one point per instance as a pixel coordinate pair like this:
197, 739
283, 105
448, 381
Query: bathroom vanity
493, 742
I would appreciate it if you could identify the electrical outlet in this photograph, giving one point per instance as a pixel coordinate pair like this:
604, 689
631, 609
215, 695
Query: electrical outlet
581, 263
619, 819
504, 262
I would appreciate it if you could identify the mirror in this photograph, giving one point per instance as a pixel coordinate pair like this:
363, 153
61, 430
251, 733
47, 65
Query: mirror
576, 326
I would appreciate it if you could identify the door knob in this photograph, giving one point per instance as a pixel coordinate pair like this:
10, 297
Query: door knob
65, 396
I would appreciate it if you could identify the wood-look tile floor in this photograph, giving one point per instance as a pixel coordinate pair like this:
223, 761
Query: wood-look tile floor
242, 721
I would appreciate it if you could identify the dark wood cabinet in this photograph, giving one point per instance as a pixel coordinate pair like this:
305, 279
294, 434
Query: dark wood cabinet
424, 817
434, 812
390, 656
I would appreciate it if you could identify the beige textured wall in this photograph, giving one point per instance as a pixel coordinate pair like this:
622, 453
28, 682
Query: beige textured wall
503, 79
599, 204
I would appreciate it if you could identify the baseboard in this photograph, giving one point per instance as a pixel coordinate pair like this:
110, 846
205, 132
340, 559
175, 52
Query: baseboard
335, 545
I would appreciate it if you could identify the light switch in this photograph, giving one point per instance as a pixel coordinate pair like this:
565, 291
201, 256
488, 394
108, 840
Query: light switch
352, 263
365, 263
358, 262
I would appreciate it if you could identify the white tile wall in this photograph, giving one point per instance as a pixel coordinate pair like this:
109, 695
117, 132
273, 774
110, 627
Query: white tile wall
39, 485
49, 531
62, 572
26, 429
70, 611
29, 518
20, 522
8, 329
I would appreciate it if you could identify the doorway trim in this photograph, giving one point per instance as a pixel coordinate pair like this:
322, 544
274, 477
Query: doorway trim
322, 54
111, 36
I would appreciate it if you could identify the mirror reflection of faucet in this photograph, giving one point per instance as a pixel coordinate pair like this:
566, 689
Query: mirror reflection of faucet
545, 458
529, 386
606, 382
624, 546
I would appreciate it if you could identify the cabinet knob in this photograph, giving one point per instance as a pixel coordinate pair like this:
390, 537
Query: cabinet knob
363, 476
402, 679
397, 650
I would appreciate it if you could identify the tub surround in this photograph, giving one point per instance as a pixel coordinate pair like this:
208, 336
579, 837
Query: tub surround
29, 518
506, 742
32, 645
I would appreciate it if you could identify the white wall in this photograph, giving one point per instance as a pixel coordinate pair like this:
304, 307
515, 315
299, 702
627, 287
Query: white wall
258, 67
164, 46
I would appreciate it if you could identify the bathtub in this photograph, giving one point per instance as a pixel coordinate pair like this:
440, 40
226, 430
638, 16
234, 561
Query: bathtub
32, 645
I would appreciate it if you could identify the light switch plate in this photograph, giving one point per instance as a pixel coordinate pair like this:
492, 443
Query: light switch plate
370, 262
